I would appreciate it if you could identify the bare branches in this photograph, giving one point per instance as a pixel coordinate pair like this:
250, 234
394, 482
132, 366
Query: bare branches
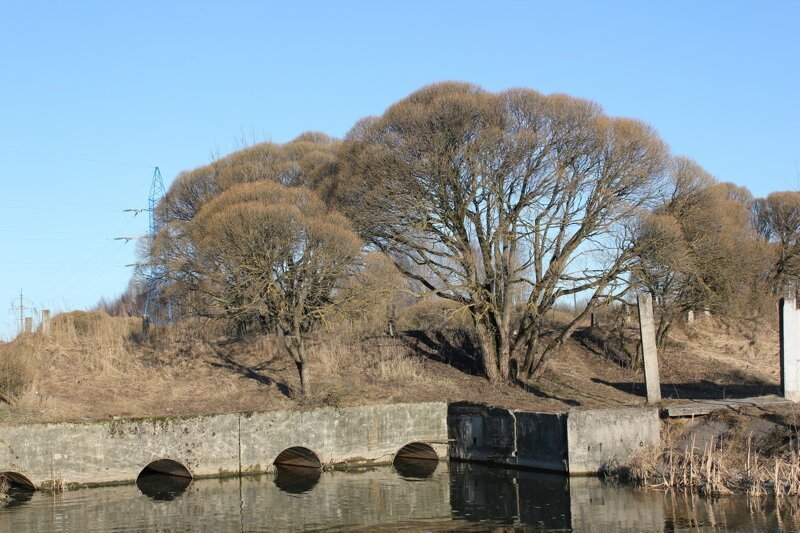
492, 197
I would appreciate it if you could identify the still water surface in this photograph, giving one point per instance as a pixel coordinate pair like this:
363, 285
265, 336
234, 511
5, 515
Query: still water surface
411, 497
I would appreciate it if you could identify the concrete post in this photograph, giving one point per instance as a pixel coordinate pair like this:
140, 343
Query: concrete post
790, 344
45, 322
647, 333
593, 320
690, 317
28, 324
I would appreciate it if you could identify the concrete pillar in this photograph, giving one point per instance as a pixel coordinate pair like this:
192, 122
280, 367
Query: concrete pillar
28, 324
790, 344
690, 317
45, 322
647, 333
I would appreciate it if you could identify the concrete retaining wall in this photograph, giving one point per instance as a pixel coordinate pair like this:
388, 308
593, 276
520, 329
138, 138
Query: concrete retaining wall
578, 442
117, 450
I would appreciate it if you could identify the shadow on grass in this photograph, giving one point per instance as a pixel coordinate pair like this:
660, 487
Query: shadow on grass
437, 347
251, 372
739, 387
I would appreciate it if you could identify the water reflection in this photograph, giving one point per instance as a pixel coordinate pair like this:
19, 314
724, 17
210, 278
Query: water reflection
415, 468
296, 479
452, 497
509, 497
162, 487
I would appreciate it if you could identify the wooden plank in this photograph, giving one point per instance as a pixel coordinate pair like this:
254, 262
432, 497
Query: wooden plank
704, 407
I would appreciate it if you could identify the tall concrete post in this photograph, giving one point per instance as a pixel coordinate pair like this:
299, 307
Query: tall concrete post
790, 344
45, 322
647, 333
28, 324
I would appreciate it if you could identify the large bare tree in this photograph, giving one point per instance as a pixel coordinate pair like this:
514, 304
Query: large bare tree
504, 203
265, 253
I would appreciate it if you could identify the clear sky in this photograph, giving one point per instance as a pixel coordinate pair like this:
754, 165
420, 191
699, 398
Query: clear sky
95, 94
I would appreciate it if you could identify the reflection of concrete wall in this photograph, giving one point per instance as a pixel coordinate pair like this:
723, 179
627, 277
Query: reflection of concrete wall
489, 493
576, 441
340, 499
596, 505
117, 450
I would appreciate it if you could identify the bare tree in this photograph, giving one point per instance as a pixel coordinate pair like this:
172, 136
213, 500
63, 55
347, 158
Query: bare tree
479, 197
698, 249
777, 220
266, 253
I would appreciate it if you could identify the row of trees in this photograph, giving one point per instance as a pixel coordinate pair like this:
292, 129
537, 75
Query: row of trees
505, 203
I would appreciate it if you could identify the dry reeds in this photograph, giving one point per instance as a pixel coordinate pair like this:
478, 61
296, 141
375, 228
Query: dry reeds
719, 468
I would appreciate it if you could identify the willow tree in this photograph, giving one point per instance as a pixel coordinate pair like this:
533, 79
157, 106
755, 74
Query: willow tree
266, 253
777, 220
502, 201
698, 249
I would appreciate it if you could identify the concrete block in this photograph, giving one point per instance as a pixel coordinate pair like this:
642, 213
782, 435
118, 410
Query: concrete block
599, 437
481, 433
542, 441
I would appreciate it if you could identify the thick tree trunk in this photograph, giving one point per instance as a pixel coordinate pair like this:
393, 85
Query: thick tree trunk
495, 347
489, 354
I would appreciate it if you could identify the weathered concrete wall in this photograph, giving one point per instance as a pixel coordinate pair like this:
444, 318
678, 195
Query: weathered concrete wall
481, 433
542, 441
599, 437
117, 450
371, 434
578, 442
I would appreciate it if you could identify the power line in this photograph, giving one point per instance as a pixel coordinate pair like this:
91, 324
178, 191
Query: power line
76, 158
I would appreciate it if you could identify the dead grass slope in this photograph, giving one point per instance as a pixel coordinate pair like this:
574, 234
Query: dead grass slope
93, 366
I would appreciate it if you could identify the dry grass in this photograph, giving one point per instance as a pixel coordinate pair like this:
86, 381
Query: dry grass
382, 359
731, 462
93, 366
17, 368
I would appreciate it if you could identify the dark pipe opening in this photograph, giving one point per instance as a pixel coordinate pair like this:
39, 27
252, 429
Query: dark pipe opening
164, 479
416, 460
18, 489
16, 481
297, 456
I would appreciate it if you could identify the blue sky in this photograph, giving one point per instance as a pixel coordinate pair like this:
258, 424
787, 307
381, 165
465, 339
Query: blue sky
95, 94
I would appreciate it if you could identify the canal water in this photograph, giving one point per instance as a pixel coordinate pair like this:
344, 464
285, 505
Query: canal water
412, 497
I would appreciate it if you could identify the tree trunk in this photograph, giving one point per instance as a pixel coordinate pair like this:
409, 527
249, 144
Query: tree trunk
305, 379
489, 354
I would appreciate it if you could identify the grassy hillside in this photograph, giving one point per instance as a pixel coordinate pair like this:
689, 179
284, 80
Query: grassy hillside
92, 365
